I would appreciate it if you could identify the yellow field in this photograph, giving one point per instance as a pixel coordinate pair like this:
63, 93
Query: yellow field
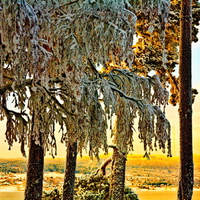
159, 171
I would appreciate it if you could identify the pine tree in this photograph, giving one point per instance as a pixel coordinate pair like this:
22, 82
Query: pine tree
185, 106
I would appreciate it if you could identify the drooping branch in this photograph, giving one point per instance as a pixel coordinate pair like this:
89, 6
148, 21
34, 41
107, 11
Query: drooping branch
16, 127
11, 87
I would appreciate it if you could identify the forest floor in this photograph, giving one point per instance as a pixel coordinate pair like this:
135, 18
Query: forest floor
158, 173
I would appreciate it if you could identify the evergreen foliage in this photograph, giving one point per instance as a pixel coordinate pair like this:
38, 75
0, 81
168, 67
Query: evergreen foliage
90, 188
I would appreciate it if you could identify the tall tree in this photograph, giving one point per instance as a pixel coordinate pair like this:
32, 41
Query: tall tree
185, 106
153, 127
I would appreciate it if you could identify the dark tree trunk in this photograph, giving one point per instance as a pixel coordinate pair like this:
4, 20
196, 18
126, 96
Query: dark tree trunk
34, 181
185, 107
70, 169
117, 176
35, 173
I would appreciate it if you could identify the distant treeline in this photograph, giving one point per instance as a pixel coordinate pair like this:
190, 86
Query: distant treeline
19, 165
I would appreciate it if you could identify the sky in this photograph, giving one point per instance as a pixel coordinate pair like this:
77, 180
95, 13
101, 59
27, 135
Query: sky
171, 114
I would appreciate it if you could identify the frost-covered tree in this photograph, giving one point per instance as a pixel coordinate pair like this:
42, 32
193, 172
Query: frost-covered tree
49, 54
153, 127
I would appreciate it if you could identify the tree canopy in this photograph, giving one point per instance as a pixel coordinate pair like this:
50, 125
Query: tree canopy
50, 52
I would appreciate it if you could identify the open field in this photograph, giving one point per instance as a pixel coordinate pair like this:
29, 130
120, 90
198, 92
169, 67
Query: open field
159, 172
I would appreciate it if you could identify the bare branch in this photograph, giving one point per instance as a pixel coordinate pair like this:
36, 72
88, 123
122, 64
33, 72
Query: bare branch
103, 166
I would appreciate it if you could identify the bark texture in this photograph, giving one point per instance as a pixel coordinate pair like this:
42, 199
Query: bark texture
185, 107
118, 176
69, 179
35, 172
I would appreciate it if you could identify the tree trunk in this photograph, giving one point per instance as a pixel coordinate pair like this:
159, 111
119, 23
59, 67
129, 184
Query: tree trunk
70, 169
117, 176
185, 107
35, 172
